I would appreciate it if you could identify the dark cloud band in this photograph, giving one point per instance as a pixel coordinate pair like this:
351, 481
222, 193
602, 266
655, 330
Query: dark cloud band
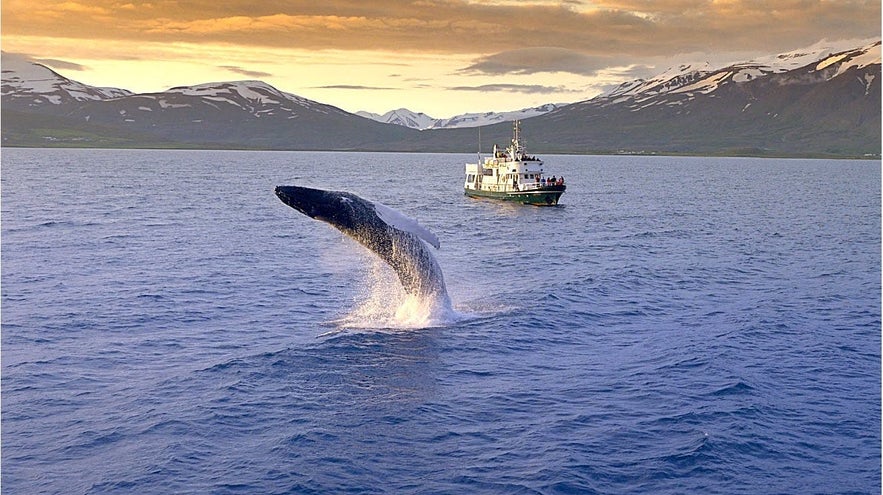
245, 72
537, 60
600, 28
513, 88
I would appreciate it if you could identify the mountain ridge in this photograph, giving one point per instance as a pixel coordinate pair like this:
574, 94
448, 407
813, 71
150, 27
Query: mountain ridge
829, 106
806, 103
421, 121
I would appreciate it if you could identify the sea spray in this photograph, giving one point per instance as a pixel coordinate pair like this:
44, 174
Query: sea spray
383, 303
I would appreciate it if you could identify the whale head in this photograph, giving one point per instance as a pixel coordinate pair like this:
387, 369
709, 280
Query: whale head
337, 208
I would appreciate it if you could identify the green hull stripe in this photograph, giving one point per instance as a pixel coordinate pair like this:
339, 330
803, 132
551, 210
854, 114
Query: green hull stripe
549, 197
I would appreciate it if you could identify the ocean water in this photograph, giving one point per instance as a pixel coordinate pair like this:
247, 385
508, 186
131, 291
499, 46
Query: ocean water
676, 325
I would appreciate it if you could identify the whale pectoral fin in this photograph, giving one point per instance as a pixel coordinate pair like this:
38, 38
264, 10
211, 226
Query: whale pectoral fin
399, 221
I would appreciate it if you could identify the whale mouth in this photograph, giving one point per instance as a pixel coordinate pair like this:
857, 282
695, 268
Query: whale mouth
284, 193
297, 198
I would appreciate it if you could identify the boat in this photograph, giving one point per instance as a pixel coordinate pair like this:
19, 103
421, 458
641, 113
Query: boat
513, 175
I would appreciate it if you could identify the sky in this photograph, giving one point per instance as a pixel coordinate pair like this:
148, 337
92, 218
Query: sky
440, 57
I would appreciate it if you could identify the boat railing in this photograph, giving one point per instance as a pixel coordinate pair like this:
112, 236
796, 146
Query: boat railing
530, 186
509, 187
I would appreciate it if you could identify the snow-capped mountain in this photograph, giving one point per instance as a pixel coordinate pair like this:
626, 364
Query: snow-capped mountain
672, 78
415, 120
703, 78
27, 85
828, 105
252, 114
820, 51
255, 97
31, 84
402, 117
489, 118
817, 101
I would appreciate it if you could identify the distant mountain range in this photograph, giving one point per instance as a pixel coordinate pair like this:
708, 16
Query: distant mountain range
421, 121
811, 102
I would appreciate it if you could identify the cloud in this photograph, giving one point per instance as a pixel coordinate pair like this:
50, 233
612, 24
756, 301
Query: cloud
245, 72
592, 30
514, 88
60, 64
353, 86
535, 60
48, 62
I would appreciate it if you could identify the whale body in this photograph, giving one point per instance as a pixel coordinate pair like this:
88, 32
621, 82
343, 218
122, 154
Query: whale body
398, 240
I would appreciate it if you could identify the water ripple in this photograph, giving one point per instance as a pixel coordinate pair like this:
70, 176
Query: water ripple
679, 325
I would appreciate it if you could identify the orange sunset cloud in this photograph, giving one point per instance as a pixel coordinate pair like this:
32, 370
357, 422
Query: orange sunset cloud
580, 47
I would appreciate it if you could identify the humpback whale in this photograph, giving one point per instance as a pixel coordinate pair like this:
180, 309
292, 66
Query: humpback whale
395, 238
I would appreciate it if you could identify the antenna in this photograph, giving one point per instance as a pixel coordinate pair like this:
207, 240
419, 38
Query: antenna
479, 144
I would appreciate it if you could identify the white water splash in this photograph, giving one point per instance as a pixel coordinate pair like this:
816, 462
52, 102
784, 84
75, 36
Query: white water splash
383, 303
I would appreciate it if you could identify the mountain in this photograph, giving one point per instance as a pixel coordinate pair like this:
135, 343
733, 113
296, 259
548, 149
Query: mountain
676, 77
28, 85
414, 120
490, 118
830, 105
240, 114
812, 102
819, 104
402, 117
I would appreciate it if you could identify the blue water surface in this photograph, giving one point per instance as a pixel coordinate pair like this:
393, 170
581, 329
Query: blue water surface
676, 325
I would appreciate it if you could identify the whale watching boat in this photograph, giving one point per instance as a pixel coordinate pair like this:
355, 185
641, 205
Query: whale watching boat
513, 175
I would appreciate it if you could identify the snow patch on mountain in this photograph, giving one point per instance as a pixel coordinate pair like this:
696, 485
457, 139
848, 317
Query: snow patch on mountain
671, 79
421, 121
403, 117
691, 79
704, 78
488, 118
29, 85
862, 58
705, 85
243, 94
25, 77
796, 59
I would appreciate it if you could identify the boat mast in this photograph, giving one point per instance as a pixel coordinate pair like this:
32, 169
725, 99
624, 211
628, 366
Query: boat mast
479, 144
517, 147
